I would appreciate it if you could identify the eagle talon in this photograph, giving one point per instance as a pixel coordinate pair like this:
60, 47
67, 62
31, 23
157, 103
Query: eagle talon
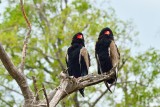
72, 77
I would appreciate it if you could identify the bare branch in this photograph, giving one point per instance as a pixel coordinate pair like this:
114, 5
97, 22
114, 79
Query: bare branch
51, 95
10, 89
35, 87
26, 38
7, 103
123, 63
45, 94
99, 98
68, 85
18, 76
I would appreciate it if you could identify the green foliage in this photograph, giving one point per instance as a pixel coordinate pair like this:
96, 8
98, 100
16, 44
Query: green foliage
53, 25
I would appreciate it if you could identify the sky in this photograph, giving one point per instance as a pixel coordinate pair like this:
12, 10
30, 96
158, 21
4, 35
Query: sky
145, 14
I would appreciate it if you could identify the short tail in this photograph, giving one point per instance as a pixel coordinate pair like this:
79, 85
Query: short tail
82, 91
112, 80
108, 87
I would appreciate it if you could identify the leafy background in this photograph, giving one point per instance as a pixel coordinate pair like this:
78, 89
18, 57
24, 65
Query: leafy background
54, 22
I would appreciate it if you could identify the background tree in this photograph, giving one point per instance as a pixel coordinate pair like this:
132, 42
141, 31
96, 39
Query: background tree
54, 22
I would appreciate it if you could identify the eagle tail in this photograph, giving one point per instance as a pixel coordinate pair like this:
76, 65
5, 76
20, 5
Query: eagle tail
108, 87
82, 91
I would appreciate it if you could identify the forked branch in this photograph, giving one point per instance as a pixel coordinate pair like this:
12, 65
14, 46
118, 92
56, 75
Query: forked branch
18, 76
69, 85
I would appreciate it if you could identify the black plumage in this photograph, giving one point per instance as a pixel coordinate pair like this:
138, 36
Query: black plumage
77, 58
107, 54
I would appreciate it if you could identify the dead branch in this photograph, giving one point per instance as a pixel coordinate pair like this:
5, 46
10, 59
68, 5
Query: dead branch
18, 76
103, 93
10, 89
45, 94
35, 88
26, 38
68, 85
6, 102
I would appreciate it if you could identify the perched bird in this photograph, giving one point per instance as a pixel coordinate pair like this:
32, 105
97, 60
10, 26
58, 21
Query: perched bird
107, 54
77, 58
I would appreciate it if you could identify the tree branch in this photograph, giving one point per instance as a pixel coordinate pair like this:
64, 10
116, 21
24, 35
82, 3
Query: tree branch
26, 38
45, 94
93, 105
35, 87
68, 85
18, 76
8, 88
6, 102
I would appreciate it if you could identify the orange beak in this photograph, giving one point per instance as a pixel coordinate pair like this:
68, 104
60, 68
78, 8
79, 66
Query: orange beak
107, 32
79, 37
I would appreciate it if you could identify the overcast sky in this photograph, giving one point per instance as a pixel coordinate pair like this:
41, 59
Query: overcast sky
145, 15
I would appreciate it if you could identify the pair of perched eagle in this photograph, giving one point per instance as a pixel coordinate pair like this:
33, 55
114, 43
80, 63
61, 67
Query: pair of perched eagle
106, 53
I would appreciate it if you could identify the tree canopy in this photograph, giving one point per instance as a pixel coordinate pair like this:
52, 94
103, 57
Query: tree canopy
53, 23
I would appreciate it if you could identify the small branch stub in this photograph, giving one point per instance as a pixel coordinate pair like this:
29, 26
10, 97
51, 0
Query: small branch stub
45, 94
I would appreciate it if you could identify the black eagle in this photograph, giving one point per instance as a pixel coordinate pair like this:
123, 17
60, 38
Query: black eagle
77, 58
107, 54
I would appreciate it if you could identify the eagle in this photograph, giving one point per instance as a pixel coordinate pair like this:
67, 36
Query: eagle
77, 58
107, 55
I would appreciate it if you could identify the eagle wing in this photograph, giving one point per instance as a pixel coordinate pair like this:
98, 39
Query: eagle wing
85, 55
114, 54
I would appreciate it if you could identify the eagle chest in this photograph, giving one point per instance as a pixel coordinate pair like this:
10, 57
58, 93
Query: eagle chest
103, 48
103, 51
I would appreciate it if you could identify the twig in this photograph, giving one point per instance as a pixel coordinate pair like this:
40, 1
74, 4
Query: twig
35, 87
26, 38
103, 93
45, 94
6, 102
123, 63
58, 57
8, 88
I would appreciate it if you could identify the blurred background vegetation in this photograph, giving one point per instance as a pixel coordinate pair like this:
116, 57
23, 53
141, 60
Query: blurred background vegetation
54, 22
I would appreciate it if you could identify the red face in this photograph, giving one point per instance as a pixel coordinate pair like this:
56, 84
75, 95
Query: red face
107, 32
79, 36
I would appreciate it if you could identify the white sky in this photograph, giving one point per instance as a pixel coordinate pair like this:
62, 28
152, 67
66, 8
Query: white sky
145, 15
